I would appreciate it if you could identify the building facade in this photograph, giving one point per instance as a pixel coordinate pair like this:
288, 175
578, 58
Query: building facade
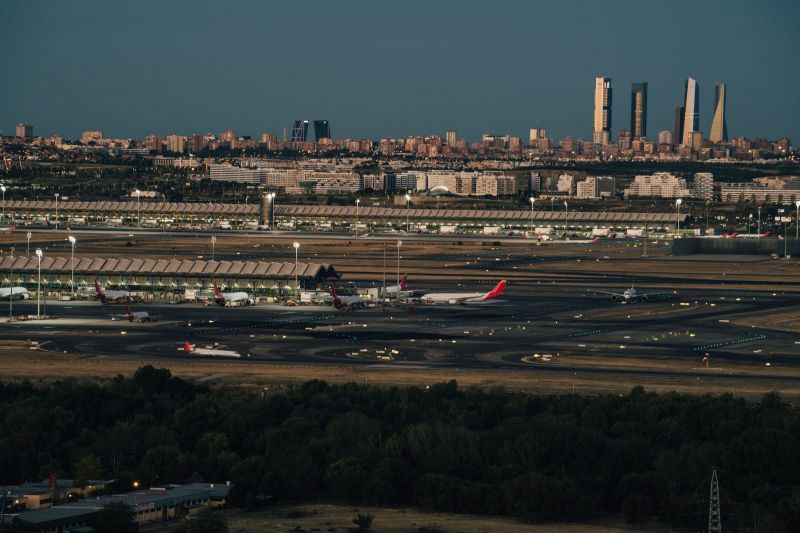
639, 110
602, 110
719, 127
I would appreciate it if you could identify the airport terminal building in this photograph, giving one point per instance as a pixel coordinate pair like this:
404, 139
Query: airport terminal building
270, 213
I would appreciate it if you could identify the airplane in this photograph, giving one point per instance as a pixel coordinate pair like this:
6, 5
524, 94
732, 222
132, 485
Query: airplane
754, 235
113, 297
464, 297
138, 316
348, 303
631, 296
232, 299
8, 229
191, 348
17, 293
394, 289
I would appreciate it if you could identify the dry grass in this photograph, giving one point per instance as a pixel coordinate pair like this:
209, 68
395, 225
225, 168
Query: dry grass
338, 518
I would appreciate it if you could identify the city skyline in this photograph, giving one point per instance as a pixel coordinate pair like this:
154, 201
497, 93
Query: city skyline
404, 83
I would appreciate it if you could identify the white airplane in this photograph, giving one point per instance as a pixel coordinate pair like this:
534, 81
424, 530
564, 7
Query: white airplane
138, 316
232, 299
113, 297
15, 293
191, 348
394, 289
8, 229
348, 303
631, 296
464, 297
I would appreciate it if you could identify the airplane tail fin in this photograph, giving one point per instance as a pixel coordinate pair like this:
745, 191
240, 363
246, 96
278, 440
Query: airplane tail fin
498, 290
187, 347
128, 312
767, 233
403, 282
100, 294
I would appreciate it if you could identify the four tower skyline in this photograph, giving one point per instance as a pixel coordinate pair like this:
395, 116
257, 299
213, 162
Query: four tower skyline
687, 115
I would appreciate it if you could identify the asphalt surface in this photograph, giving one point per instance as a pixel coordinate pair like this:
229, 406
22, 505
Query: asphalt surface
535, 327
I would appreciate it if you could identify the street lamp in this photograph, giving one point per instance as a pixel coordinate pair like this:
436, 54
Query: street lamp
56, 211
39, 254
749, 221
408, 202
213, 246
399, 244
358, 201
3, 188
532, 200
272, 211
72, 241
28, 236
138, 206
707, 202
678, 203
566, 217
296, 286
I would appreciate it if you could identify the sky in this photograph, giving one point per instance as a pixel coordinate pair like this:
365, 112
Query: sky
389, 69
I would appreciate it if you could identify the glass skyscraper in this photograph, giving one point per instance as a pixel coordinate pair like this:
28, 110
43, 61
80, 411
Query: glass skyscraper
639, 110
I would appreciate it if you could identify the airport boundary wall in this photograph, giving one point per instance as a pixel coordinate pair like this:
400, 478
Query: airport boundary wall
735, 246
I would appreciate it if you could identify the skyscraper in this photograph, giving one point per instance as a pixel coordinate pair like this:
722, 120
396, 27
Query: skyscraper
300, 130
322, 130
602, 110
677, 136
719, 128
451, 137
639, 110
24, 131
691, 110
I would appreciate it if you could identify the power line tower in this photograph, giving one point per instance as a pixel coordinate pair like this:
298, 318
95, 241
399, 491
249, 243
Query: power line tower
714, 515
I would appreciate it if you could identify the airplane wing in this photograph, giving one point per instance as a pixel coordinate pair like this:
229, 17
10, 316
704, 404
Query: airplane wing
655, 294
610, 293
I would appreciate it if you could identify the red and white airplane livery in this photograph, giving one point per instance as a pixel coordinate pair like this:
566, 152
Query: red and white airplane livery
464, 297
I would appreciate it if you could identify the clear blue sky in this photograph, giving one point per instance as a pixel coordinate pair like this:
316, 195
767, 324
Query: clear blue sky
378, 68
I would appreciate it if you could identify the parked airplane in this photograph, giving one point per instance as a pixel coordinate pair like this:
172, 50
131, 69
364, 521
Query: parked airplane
753, 235
191, 348
232, 299
138, 316
631, 296
113, 297
16, 293
394, 289
8, 229
464, 297
349, 303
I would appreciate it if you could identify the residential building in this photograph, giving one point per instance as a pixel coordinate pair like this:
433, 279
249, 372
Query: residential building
719, 127
703, 186
176, 143
89, 136
536, 134
677, 136
566, 184
602, 110
24, 131
639, 110
594, 187
665, 137
660, 184
450, 136
228, 172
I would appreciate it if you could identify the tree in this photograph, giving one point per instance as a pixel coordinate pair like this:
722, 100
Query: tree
206, 521
88, 467
116, 517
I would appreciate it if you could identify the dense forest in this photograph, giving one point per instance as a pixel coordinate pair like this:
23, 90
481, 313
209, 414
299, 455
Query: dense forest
643, 456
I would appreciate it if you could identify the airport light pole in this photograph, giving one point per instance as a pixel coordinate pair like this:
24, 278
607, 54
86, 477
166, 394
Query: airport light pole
566, 217
11, 295
797, 220
272, 211
749, 221
358, 201
532, 200
678, 203
213, 246
551, 203
296, 286
138, 208
28, 236
707, 202
3, 188
408, 202
399, 244
72, 241
39, 254
56, 211
759, 220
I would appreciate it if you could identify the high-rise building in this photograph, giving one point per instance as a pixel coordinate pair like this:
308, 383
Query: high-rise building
322, 129
703, 186
89, 136
300, 131
451, 137
536, 134
639, 110
691, 110
24, 131
677, 136
665, 137
719, 128
602, 110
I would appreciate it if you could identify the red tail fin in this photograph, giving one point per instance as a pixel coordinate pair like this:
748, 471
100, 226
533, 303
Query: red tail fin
498, 290
128, 312
187, 347
403, 282
767, 233
218, 297
100, 294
